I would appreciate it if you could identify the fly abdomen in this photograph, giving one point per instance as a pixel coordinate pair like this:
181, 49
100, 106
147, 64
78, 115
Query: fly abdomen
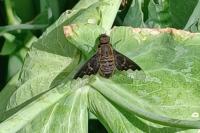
107, 67
106, 60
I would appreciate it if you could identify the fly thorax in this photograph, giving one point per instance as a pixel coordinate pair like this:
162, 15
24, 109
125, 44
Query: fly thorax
106, 50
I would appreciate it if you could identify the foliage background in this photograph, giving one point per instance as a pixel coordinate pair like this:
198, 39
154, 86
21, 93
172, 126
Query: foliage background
21, 26
34, 16
37, 15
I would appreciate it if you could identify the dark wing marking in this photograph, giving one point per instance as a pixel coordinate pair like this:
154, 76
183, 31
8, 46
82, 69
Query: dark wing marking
90, 67
124, 63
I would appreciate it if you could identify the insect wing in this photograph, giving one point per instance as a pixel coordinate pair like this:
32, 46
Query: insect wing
90, 67
124, 63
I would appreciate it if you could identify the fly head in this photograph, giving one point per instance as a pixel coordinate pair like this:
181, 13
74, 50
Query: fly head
104, 39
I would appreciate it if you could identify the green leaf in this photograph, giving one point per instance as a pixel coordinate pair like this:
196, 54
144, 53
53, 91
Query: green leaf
181, 12
59, 108
55, 9
86, 43
24, 9
42, 18
134, 16
162, 13
105, 6
108, 114
44, 98
11, 17
193, 23
159, 14
7, 92
108, 13
170, 86
165, 57
14, 65
166, 61
9, 46
135, 105
51, 59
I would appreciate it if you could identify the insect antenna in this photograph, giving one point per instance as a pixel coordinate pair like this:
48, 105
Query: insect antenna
114, 44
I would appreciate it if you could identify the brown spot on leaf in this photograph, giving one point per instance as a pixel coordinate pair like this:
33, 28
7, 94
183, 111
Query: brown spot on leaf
68, 30
156, 31
177, 34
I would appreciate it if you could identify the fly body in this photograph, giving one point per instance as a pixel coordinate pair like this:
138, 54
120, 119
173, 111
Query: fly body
106, 60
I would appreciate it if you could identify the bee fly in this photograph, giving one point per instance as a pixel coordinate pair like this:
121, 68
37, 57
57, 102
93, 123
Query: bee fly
106, 60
